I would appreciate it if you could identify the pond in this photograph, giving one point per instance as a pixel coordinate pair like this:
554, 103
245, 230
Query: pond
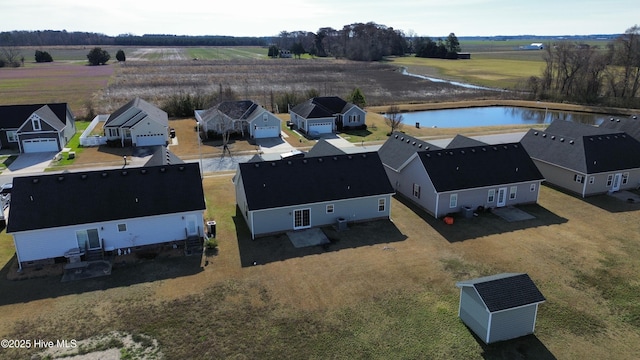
496, 115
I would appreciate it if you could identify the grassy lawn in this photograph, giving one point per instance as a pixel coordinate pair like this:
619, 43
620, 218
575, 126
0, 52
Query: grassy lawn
381, 290
227, 53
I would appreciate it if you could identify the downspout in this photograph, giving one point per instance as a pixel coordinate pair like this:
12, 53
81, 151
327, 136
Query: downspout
437, 203
17, 254
489, 328
584, 186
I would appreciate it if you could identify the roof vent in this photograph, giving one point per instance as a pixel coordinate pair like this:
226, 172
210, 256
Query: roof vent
181, 168
124, 172
413, 143
402, 138
350, 157
60, 178
553, 137
419, 146
535, 133
143, 171
635, 117
105, 174
561, 139
319, 159
84, 176
611, 119
473, 150
257, 165
426, 148
495, 148
484, 149
163, 169
364, 156
335, 158
35, 181
289, 162
617, 120
304, 161
544, 135
515, 146
505, 147
408, 141
396, 136
462, 152
273, 164
571, 142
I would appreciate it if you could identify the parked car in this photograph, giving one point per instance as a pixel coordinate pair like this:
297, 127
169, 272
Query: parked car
6, 188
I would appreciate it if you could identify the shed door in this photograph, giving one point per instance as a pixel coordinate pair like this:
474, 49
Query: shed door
502, 197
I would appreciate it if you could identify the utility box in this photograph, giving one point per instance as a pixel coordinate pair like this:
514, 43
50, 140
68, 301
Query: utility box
467, 212
211, 228
342, 224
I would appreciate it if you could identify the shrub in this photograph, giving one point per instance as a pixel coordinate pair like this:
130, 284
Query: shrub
43, 56
97, 56
211, 244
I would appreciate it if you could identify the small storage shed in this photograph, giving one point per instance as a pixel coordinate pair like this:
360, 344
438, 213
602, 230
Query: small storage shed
500, 307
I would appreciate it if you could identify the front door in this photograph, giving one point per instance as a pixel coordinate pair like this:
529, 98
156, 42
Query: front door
301, 219
502, 197
617, 178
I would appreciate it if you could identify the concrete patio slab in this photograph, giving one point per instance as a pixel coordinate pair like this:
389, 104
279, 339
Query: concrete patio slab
511, 214
308, 237
626, 196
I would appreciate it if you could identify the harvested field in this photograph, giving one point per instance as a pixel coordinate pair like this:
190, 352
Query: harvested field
257, 79
53, 82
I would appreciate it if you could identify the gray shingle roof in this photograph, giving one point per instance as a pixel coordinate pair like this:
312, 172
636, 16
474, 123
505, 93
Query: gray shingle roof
400, 147
238, 110
145, 110
626, 124
46, 114
13, 116
583, 148
479, 166
461, 141
54, 200
323, 148
505, 291
322, 107
289, 182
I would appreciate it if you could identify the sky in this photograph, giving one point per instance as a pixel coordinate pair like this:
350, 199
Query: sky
270, 17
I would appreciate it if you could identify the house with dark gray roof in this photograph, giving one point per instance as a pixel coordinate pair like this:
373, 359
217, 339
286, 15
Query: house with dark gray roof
499, 307
300, 193
325, 115
36, 127
584, 159
323, 148
104, 210
137, 123
445, 181
244, 117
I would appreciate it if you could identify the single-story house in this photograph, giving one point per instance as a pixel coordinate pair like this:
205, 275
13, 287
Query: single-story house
500, 307
292, 194
444, 181
138, 123
584, 159
325, 115
104, 210
244, 117
36, 127
629, 125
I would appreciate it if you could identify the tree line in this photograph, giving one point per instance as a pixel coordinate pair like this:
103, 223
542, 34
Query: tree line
54, 37
357, 41
581, 73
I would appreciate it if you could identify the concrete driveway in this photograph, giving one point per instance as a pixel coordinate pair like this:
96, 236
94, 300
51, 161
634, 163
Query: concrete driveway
31, 163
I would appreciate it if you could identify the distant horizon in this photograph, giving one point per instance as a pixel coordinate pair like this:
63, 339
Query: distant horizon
271, 36
250, 18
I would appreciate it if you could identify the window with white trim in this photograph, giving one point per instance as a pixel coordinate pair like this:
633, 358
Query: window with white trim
35, 122
416, 191
592, 179
512, 192
491, 196
382, 204
625, 178
578, 178
265, 117
532, 187
453, 200
329, 208
122, 227
12, 136
609, 180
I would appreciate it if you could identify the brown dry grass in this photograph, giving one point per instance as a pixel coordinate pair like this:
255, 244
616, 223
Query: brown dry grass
363, 282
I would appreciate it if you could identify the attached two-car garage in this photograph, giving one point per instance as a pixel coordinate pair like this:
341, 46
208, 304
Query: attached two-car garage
320, 128
262, 132
39, 145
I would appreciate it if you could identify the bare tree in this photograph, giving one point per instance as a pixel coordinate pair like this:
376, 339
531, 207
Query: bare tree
393, 118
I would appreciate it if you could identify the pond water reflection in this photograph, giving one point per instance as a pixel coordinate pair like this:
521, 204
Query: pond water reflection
496, 115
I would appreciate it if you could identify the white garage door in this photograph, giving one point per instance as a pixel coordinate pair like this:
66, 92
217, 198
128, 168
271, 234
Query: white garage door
320, 128
266, 132
39, 145
150, 140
